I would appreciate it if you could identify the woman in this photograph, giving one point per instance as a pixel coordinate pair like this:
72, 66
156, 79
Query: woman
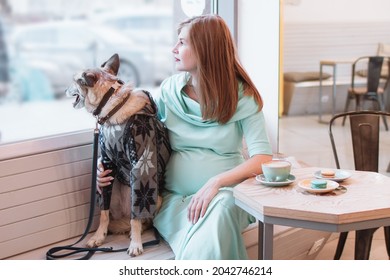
208, 109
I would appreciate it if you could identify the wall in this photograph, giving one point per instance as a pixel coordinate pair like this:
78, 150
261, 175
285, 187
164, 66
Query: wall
44, 197
332, 29
258, 44
310, 11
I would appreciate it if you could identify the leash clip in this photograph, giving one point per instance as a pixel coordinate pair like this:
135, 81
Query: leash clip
96, 130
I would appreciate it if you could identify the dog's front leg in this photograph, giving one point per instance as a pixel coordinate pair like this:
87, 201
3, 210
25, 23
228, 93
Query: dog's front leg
100, 235
135, 247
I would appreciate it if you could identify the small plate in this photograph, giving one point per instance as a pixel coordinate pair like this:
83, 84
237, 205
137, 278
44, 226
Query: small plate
261, 179
306, 185
339, 175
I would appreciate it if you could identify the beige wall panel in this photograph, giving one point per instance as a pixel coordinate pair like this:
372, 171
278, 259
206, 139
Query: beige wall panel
42, 176
45, 222
43, 207
40, 239
44, 160
44, 191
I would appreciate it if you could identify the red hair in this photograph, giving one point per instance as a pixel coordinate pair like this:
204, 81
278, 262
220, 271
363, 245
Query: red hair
218, 68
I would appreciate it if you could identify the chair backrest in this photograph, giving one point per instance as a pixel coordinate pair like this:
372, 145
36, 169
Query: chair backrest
373, 67
386, 72
365, 129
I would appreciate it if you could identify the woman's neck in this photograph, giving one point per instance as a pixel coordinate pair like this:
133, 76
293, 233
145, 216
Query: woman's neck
191, 89
192, 81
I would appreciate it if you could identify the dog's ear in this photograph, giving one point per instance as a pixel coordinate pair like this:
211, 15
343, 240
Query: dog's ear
89, 79
112, 65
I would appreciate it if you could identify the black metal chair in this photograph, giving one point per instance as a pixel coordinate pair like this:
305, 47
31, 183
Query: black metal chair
369, 67
365, 131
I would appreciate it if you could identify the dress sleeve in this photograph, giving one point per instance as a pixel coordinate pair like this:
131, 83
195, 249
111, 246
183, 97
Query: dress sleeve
255, 134
161, 107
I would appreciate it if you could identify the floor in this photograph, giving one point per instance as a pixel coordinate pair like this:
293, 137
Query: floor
308, 140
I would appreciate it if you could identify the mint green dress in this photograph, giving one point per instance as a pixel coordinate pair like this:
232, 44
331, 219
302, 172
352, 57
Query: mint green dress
200, 150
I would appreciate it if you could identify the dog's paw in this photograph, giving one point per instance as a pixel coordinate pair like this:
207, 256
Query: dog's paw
95, 241
135, 249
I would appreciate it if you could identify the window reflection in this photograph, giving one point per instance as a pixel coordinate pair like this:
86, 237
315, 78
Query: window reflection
44, 42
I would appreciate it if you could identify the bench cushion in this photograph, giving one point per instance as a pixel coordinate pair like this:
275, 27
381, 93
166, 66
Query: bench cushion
297, 77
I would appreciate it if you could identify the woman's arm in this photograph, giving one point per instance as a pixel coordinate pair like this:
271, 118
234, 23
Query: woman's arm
201, 200
249, 168
259, 151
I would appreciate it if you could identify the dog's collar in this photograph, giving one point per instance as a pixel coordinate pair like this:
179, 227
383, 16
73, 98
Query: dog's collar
107, 96
113, 111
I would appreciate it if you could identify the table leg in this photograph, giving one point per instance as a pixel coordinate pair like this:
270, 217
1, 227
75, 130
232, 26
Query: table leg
265, 241
334, 91
268, 242
260, 241
333, 94
320, 98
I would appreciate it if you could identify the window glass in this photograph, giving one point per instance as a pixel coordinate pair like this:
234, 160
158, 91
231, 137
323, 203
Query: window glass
43, 43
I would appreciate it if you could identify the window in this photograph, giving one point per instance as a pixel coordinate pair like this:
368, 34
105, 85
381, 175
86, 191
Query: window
45, 42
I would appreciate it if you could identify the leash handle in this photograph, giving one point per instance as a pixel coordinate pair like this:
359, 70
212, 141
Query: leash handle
50, 254
106, 192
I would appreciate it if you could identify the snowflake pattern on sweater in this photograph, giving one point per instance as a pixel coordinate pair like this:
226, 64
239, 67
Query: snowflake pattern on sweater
138, 152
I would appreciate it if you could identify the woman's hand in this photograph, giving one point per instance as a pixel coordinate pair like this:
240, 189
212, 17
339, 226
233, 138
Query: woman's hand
201, 200
102, 180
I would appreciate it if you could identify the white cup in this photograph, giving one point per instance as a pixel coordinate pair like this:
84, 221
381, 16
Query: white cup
276, 170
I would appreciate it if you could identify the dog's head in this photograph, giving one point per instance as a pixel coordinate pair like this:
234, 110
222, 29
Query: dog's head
90, 86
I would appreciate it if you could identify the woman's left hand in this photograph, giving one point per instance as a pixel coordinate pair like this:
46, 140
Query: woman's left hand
201, 200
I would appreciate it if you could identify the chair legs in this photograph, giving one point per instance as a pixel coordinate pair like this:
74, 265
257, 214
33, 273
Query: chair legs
387, 239
340, 245
358, 98
349, 97
363, 241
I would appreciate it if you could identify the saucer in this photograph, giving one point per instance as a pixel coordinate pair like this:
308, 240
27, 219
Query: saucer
261, 179
306, 185
339, 175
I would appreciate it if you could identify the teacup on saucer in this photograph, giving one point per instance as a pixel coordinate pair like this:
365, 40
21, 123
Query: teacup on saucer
261, 179
276, 170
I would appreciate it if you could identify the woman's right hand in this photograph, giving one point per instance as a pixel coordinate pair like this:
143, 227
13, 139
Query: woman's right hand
103, 179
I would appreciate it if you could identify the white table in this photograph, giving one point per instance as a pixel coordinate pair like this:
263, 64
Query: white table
365, 204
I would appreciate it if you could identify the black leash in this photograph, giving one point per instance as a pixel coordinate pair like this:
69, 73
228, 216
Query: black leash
51, 253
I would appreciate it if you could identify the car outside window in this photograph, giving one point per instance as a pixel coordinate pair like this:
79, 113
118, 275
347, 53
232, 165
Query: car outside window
46, 45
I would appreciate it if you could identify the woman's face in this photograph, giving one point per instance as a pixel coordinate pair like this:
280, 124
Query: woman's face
184, 57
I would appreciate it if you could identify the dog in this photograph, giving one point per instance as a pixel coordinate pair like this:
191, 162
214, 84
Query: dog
133, 143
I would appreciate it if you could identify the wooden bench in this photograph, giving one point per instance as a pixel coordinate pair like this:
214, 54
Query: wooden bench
45, 198
302, 98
